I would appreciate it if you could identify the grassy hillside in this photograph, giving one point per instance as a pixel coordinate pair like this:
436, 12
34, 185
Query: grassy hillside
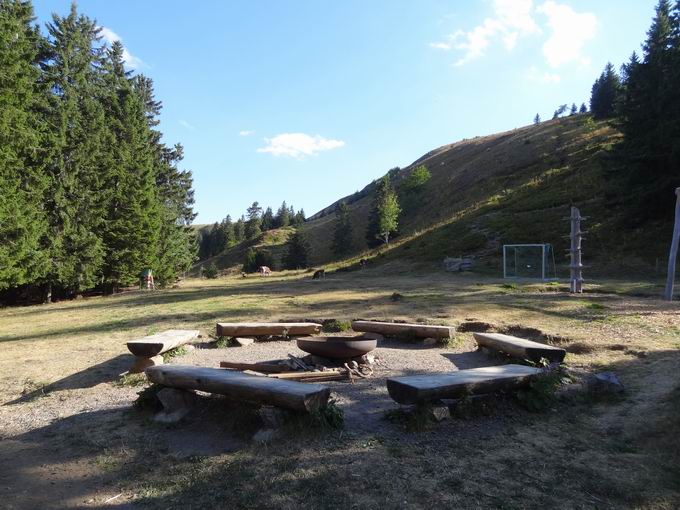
512, 187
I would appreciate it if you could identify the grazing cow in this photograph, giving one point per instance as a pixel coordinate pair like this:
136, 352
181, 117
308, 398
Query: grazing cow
318, 274
244, 275
264, 271
363, 263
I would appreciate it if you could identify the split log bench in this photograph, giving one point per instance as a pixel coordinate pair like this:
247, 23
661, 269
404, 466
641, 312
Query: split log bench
239, 386
396, 328
519, 347
415, 389
147, 350
234, 329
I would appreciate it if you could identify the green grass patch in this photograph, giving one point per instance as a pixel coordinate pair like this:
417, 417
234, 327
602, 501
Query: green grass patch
174, 353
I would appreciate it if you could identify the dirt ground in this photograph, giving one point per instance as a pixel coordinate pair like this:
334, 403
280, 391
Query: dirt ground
70, 438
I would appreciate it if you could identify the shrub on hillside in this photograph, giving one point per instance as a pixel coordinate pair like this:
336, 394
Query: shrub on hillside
256, 258
210, 271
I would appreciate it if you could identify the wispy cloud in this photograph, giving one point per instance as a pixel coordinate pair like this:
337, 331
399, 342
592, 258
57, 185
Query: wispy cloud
570, 31
511, 20
246, 132
299, 145
130, 60
514, 19
185, 124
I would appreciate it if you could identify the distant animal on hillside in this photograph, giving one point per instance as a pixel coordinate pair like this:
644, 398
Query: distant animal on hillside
318, 274
264, 271
244, 275
363, 263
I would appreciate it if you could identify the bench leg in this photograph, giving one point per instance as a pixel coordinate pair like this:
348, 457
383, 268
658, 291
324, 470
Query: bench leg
140, 363
176, 404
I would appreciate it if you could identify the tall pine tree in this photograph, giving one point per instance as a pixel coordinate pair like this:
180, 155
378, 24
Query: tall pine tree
22, 138
75, 199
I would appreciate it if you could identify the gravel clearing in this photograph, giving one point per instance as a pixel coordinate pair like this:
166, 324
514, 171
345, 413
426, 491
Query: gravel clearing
364, 401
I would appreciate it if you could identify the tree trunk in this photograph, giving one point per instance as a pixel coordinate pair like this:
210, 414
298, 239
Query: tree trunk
47, 293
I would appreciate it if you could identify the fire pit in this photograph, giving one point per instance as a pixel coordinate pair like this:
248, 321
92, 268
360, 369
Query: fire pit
337, 347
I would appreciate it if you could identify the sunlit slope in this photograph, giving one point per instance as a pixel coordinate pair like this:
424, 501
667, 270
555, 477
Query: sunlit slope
511, 187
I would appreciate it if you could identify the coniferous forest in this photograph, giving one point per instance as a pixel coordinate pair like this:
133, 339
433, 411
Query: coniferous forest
644, 103
90, 195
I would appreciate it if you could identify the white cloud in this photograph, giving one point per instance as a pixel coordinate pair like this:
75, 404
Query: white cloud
299, 145
130, 60
512, 19
571, 30
246, 132
185, 124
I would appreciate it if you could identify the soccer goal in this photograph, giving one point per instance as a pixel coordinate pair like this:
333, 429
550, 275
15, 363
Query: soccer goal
531, 261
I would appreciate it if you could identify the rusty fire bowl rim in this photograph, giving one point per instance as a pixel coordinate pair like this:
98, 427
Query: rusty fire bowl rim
337, 347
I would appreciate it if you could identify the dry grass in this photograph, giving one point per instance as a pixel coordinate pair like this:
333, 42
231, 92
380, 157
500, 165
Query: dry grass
69, 432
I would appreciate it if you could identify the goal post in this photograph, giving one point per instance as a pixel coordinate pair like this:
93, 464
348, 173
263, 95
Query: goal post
529, 261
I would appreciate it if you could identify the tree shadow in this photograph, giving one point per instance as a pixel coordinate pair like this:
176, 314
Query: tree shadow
107, 371
132, 323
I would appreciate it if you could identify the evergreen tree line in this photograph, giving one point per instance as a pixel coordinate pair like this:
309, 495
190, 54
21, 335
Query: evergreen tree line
563, 109
644, 101
90, 195
227, 233
383, 223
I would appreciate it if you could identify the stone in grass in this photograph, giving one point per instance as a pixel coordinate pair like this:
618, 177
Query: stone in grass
264, 436
439, 413
243, 342
176, 404
606, 382
274, 417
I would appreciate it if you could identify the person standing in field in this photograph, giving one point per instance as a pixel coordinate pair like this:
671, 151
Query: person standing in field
147, 280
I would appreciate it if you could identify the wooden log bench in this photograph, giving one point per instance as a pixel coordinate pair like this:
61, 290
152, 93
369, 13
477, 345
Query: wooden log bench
239, 386
399, 329
414, 389
147, 350
235, 329
519, 347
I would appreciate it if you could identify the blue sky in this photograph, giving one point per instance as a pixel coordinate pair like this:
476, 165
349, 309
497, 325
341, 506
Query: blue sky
308, 101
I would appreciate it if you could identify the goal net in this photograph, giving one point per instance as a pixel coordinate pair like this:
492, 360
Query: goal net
531, 261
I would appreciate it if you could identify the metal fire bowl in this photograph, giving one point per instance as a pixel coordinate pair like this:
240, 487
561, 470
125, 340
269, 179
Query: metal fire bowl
338, 347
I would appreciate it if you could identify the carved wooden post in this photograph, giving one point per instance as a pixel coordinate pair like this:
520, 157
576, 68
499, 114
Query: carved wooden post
575, 268
668, 295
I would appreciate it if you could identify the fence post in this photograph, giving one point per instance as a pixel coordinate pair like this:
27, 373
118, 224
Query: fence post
575, 267
672, 257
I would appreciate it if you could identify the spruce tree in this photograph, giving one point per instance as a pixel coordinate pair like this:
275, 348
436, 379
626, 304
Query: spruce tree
252, 226
267, 222
537, 119
605, 93
76, 198
132, 228
300, 218
583, 108
649, 118
23, 223
239, 230
177, 241
297, 251
283, 216
342, 233
177, 244
573, 110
